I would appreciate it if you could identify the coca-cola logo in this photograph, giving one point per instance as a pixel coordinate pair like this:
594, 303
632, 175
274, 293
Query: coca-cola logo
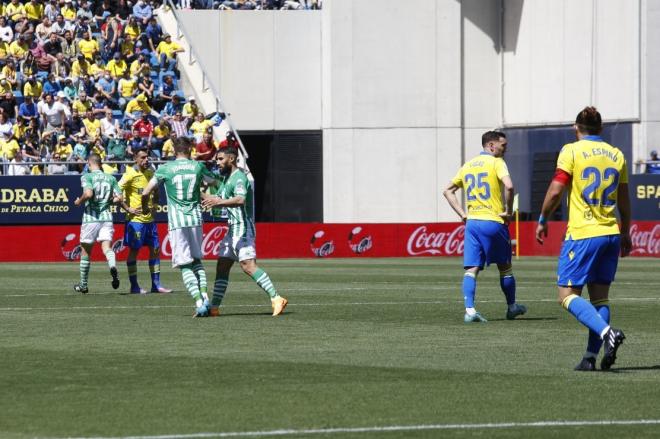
71, 248
423, 242
359, 244
321, 248
645, 242
210, 243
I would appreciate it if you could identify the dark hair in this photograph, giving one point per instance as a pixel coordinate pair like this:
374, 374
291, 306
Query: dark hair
182, 145
589, 121
95, 158
491, 136
230, 150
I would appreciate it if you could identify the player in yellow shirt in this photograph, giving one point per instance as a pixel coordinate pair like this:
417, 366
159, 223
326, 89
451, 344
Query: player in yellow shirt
140, 227
596, 177
483, 179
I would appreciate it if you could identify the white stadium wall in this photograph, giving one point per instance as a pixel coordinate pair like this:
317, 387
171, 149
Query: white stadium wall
403, 90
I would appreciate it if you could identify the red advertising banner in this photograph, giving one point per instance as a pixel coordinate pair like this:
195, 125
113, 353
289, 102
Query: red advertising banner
305, 240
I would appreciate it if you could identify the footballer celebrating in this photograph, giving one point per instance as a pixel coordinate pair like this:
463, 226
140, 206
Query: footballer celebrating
140, 227
183, 179
235, 194
486, 222
100, 191
596, 177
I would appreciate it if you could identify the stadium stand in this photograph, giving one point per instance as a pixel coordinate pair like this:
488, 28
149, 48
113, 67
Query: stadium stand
250, 4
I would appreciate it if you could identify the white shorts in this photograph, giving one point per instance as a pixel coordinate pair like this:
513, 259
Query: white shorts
90, 232
237, 249
186, 245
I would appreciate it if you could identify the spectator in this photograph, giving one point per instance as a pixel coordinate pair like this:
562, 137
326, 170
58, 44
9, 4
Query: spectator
88, 46
123, 10
229, 142
17, 166
108, 88
653, 165
136, 107
8, 105
146, 87
200, 126
109, 126
142, 12
15, 11
206, 149
92, 127
75, 125
60, 26
62, 149
116, 147
28, 109
128, 88
8, 147
132, 29
5, 86
167, 50
84, 12
19, 48
168, 147
53, 46
161, 134
52, 10
179, 125
190, 108
143, 129
43, 30
69, 46
57, 168
172, 107
82, 104
153, 34
140, 66
60, 68
10, 74
6, 32
81, 66
53, 115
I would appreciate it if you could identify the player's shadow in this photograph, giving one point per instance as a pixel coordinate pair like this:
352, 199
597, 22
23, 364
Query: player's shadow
635, 368
250, 314
526, 318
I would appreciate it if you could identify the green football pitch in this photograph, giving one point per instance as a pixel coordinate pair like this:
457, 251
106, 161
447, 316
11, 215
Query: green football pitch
368, 348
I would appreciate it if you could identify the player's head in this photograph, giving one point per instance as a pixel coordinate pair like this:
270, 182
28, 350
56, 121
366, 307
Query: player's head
588, 122
494, 142
182, 147
94, 161
142, 159
226, 159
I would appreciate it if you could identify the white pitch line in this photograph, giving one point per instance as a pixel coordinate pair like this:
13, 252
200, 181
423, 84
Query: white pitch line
419, 302
391, 428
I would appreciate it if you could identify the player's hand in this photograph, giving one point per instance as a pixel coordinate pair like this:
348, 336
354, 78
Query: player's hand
541, 232
211, 201
506, 216
626, 244
77, 201
135, 211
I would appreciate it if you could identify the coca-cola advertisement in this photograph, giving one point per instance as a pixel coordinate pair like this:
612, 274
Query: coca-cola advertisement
59, 243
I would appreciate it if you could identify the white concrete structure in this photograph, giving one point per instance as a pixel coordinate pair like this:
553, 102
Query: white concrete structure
403, 90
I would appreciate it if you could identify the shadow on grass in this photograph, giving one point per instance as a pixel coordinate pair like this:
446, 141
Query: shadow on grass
250, 314
526, 319
635, 368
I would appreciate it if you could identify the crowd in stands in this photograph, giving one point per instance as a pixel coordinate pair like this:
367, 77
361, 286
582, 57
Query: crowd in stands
249, 4
90, 76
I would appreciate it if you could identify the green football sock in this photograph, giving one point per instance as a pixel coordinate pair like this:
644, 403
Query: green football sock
84, 270
262, 279
198, 268
110, 256
190, 282
219, 288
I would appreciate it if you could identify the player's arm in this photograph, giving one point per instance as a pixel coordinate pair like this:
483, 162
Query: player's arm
551, 202
623, 203
87, 194
508, 197
450, 195
211, 201
151, 186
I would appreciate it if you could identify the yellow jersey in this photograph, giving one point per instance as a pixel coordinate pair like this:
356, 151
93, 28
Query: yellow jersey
82, 107
17, 49
481, 180
134, 106
9, 149
167, 49
34, 11
132, 183
69, 13
168, 148
116, 68
596, 169
4, 49
93, 127
32, 90
88, 48
14, 11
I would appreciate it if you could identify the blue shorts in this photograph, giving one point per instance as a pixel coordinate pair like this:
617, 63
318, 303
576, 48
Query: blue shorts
486, 242
137, 235
589, 260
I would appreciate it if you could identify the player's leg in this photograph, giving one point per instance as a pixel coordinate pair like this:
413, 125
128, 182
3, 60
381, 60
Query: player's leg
262, 279
247, 257
133, 240
200, 274
473, 261
598, 296
85, 253
153, 242
508, 286
106, 232
183, 259
222, 269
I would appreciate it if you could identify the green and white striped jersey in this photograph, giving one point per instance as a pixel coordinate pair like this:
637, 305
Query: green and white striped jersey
241, 218
105, 187
183, 179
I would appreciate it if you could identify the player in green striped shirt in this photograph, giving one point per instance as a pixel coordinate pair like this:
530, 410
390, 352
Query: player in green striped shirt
100, 191
235, 194
183, 179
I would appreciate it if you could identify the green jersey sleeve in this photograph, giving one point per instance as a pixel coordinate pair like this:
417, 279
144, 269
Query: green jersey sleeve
115, 186
161, 173
86, 182
241, 186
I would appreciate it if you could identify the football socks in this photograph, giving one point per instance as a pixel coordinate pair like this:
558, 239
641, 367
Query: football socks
154, 269
132, 274
219, 288
198, 268
262, 279
191, 284
508, 285
110, 256
469, 289
84, 270
585, 313
595, 342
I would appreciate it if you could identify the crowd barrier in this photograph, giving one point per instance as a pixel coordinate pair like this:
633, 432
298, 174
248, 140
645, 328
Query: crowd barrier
57, 243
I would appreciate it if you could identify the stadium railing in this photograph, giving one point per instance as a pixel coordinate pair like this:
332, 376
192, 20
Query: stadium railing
639, 164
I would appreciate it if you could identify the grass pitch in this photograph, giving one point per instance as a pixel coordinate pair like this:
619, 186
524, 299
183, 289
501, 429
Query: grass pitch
364, 343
